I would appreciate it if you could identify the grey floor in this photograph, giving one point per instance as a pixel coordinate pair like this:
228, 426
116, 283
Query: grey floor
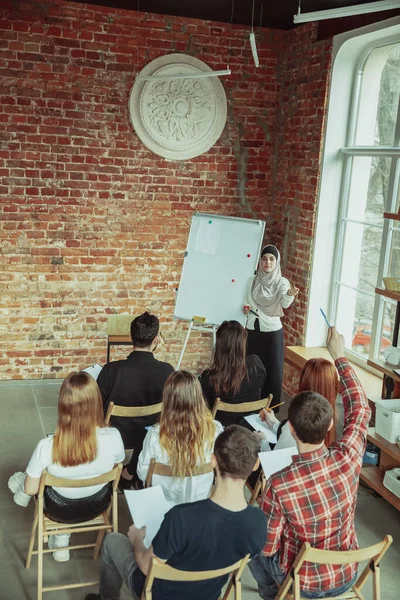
29, 411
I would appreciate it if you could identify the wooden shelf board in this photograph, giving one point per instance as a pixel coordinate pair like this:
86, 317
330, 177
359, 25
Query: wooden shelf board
391, 449
394, 216
383, 367
119, 339
373, 477
388, 294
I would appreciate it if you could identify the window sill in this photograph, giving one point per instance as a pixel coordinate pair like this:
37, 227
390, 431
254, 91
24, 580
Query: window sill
298, 356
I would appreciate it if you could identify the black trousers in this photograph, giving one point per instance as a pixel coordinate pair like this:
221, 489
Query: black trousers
270, 347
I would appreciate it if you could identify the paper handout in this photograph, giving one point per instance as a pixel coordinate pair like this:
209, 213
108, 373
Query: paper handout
94, 370
148, 507
272, 462
258, 425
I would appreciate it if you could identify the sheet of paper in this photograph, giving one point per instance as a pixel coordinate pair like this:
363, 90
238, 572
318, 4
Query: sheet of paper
275, 461
148, 507
94, 370
258, 425
207, 236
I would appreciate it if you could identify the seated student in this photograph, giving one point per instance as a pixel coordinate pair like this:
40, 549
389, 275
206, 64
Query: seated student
199, 536
318, 375
82, 447
313, 500
233, 376
136, 381
183, 440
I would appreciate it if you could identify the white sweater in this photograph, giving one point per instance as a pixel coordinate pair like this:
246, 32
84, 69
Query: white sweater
266, 323
188, 489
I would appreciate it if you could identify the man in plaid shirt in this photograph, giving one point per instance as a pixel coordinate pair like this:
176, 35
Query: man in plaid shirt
314, 499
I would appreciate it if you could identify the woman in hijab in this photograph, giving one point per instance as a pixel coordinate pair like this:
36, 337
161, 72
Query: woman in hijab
268, 293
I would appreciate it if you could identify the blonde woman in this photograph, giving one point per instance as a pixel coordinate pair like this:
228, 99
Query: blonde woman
183, 439
81, 447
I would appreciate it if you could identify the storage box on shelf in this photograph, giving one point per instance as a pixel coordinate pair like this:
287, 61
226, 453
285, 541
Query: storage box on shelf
389, 459
391, 481
387, 419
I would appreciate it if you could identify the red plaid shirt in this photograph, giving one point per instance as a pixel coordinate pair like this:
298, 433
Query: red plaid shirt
314, 499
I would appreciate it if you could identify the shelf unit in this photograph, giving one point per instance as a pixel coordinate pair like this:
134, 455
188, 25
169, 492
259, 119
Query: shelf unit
393, 216
389, 458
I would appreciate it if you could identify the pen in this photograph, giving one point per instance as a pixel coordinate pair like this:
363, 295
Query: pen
324, 315
250, 310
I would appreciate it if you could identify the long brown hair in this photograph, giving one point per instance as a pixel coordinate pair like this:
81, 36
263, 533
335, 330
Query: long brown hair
186, 424
320, 375
229, 367
80, 412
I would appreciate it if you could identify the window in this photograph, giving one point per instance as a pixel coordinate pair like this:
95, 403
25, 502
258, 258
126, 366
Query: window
367, 244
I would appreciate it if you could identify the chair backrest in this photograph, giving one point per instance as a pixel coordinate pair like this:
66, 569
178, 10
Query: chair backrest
243, 407
156, 468
159, 570
52, 481
131, 411
373, 554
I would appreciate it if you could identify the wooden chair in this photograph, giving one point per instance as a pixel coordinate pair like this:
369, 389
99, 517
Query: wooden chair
156, 468
131, 411
159, 570
373, 554
243, 407
45, 526
257, 490
114, 410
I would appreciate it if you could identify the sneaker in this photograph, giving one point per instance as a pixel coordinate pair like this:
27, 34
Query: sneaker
16, 482
58, 541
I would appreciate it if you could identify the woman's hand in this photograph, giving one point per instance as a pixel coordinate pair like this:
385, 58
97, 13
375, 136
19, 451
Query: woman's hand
268, 416
293, 291
246, 309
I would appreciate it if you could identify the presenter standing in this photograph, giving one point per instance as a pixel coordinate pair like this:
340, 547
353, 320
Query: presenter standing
268, 293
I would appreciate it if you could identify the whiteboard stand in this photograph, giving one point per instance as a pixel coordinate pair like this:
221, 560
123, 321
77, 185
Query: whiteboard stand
209, 328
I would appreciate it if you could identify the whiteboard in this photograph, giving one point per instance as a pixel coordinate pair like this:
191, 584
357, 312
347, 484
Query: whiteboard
221, 255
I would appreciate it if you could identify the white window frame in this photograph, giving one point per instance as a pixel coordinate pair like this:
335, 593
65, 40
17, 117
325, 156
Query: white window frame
350, 51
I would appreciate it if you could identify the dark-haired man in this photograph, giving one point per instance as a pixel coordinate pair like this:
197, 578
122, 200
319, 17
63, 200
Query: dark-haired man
136, 381
313, 500
198, 536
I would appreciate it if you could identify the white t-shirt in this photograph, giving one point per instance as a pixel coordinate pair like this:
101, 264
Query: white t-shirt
110, 450
188, 489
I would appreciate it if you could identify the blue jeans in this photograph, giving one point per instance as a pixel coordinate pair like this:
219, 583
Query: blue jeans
267, 572
117, 565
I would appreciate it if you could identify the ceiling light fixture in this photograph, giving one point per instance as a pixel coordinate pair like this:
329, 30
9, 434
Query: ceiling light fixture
345, 11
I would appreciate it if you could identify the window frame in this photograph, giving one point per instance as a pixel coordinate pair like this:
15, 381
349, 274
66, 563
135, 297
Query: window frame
348, 152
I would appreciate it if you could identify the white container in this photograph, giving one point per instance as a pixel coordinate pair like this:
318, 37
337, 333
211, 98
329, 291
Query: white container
391, 481
387, 419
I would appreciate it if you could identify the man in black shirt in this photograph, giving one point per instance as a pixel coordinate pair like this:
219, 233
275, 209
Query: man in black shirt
136, 381
198, 536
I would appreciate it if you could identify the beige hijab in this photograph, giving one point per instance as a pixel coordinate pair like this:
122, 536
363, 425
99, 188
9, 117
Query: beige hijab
268, 289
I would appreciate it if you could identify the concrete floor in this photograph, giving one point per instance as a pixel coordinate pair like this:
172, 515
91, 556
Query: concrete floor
28, 412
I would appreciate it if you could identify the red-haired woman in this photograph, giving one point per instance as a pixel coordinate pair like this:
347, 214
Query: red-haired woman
318, 375
82, 447
233, 376
183, 439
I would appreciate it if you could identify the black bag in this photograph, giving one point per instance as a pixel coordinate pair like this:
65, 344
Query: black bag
75, 510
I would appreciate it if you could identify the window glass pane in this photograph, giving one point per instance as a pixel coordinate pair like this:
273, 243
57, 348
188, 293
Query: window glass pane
386, 330
380, 93
354, 319
361, 253
394, 256
369, 188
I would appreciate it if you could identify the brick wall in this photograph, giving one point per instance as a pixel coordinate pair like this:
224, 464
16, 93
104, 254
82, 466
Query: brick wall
92, 223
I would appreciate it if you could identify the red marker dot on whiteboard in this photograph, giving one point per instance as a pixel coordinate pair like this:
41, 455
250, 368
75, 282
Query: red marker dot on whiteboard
233, 281
248, 256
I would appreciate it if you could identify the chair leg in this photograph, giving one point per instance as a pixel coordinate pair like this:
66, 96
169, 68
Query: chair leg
376, 584
99, 541
32, 540
40, 561
238, 590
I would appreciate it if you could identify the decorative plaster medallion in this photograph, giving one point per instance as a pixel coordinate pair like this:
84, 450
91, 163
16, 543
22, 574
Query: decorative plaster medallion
178, 118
